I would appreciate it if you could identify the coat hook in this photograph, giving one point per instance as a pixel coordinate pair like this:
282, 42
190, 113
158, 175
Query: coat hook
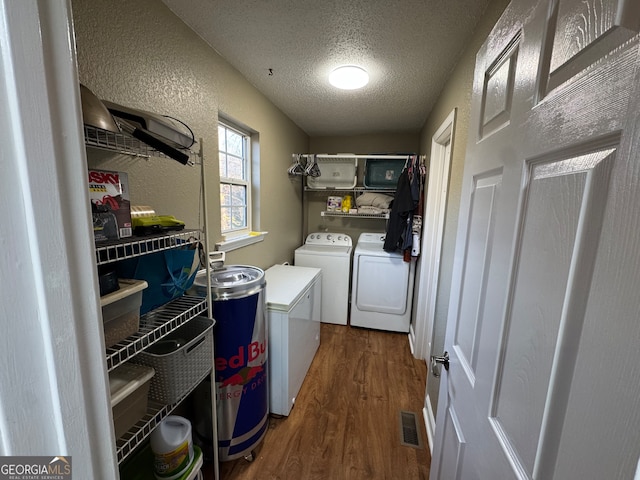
271, 72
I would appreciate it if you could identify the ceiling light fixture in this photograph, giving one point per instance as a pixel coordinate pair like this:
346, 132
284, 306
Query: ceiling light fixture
349, 77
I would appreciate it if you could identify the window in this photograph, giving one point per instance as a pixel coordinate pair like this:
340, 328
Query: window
235, 181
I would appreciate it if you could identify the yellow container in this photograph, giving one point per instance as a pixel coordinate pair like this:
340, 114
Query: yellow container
346, 203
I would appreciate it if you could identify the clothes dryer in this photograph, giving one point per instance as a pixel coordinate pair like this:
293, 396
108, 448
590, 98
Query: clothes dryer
331, 252
382, 286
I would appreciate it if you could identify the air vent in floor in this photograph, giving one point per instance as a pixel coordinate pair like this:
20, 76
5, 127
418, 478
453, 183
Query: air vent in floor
409, 432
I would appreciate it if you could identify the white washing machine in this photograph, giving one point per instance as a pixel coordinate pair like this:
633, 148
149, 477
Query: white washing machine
382, 287
331, 252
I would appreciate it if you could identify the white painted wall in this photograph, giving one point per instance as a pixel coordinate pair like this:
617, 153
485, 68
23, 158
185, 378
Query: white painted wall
53, 386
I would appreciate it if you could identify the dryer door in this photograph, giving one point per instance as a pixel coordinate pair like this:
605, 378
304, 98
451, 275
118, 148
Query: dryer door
382, 284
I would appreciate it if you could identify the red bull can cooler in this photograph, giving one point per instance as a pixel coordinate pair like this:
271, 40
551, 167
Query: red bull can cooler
240, 339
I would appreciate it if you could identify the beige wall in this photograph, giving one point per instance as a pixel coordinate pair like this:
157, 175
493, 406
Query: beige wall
457, 94
140, 55
371, 143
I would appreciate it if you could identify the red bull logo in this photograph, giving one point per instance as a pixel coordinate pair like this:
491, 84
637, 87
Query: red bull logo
253, 351
243, 377
235, 371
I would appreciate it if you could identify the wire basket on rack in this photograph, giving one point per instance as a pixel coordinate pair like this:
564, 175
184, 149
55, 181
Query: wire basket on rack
181, 360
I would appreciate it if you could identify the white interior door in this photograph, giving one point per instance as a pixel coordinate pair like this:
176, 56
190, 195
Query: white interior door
543, 331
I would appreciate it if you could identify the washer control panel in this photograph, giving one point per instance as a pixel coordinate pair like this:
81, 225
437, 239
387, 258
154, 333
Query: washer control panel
326, 238
375, 238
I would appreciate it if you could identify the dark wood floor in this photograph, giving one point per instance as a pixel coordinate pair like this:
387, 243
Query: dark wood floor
345, 424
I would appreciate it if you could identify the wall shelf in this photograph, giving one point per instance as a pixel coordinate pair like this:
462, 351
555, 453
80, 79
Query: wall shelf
356, 191
126, 144
355, 215
136, 246
388, 191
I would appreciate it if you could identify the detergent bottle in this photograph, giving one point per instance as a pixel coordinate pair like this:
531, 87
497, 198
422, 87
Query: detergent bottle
172, 447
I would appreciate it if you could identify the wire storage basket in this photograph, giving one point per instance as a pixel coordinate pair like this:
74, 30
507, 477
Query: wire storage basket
181, 360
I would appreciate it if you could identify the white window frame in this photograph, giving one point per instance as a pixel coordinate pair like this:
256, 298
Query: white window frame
246, 182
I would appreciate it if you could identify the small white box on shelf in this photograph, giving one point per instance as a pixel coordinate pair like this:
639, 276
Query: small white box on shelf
334, 204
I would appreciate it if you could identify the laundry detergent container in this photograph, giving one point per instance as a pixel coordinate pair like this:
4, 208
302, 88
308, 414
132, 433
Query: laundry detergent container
242, 393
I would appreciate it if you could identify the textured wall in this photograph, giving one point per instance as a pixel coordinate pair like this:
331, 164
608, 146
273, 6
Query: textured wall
360, 144
457, 94
141, 55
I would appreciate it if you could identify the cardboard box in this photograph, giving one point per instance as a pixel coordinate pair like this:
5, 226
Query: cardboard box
109, 194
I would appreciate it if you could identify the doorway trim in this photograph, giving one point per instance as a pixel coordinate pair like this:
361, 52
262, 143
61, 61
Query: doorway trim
433, 232
50, 284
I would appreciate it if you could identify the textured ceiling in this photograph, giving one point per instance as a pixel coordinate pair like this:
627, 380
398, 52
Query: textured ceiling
409, 47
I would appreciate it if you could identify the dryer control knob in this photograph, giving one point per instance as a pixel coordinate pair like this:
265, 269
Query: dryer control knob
339, 238
329, 237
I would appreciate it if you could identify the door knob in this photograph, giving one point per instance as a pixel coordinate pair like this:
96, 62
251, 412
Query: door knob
443, 360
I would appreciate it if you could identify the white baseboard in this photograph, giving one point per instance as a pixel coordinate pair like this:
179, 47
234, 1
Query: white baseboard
429, 422
411, 346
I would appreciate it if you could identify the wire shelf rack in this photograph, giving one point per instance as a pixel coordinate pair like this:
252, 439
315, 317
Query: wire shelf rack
136, 246
156, 411
155, 325
125, 144
158, 323
354, 215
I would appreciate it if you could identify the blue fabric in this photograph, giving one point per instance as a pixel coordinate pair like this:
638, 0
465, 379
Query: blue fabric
169, 274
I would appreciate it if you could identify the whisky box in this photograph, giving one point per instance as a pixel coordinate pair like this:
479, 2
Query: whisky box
109, 195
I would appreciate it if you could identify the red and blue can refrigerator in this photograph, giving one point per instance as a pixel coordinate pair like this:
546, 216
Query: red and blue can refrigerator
241, 355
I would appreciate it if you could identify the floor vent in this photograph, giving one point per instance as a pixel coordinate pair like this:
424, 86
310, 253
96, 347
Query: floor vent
409, 432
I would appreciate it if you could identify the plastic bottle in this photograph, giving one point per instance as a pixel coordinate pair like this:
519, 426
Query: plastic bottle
172, 447
346, 204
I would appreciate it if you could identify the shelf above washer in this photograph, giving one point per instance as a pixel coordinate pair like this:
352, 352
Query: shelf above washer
354, 215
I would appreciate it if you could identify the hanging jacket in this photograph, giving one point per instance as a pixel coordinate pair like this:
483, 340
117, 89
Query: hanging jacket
400, 216
415, 179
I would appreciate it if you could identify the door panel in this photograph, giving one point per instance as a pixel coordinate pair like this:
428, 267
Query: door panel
543, 327
454, 451
498, 90
478, 256
557, 220
579, 34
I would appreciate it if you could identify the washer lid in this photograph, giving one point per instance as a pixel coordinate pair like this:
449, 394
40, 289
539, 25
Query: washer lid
232, 281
